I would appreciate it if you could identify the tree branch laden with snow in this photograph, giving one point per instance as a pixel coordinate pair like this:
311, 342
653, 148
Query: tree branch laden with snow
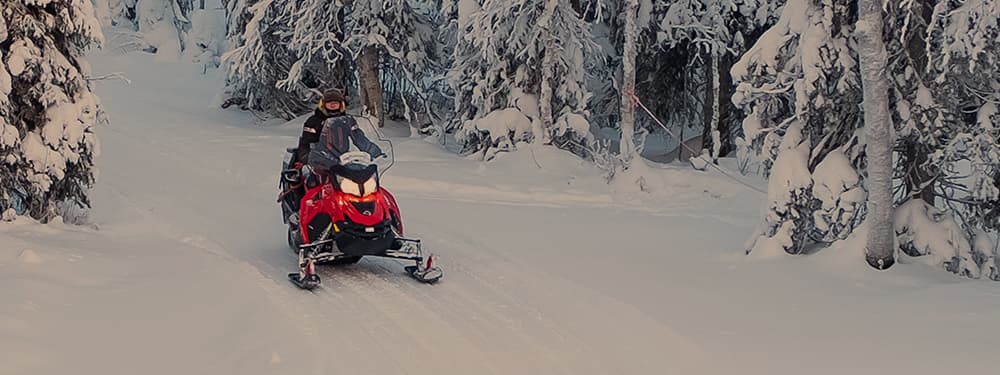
47, 110
511, 55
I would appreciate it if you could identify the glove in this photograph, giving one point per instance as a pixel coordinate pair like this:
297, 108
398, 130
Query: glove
298, 165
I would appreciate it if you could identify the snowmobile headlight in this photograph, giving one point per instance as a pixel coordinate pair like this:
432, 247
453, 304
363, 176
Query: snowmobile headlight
370, 186
350, 187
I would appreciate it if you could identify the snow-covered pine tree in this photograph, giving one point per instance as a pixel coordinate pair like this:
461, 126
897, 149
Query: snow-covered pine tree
474, 83
395, 45
684, 46
47, 111
519, 75
941, 58
162, 24
945, 143
800, 88
916, 113
709, 35
288, 51
605, 80
963, 49
261, 58
440, 94
316, 37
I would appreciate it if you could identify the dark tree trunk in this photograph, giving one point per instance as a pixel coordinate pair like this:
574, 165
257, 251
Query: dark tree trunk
371, 86
707, 110
918, 178
723, 93
725, 104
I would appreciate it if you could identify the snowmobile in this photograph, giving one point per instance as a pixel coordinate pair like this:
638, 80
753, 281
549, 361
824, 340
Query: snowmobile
350, 217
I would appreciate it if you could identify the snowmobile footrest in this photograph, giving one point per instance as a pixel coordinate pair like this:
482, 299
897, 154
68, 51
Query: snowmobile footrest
405, 249
315, 244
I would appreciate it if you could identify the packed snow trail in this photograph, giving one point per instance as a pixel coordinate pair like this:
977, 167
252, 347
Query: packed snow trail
211, 175
545, 272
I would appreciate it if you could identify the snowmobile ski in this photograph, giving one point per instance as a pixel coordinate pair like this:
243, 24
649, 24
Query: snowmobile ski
309, 282
306, 278
425, 272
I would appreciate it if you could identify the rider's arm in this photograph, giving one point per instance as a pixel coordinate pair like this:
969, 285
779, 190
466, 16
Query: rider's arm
362, 141
310, 135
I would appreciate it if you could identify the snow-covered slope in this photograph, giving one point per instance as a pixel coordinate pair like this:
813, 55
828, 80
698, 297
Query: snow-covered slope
183, 270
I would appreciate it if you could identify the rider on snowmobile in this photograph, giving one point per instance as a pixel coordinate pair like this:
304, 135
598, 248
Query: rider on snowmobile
332, 104
329, 134
339, 133
332, 130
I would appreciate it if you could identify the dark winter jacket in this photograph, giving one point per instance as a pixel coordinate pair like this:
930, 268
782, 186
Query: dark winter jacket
336, 138
310, 133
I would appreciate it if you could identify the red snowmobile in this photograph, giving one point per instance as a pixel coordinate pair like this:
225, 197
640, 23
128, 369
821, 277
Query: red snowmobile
349, 217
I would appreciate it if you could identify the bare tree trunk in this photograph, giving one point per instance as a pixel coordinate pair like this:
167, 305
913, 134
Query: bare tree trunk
725, 105
918, 179
545, 95
716, 135
371, 86
627, 146
544, 132
878, 125
362, 92
711, 138
707, 110
682, 154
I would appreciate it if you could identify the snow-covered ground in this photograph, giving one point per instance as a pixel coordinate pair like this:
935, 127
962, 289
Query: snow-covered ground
546, 271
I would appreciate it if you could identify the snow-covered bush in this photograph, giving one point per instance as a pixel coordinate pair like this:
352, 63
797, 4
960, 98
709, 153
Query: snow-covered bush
837, 187
925, 231
989, 248
207, 38
788, 220
163, 25
502, 128
47, 111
